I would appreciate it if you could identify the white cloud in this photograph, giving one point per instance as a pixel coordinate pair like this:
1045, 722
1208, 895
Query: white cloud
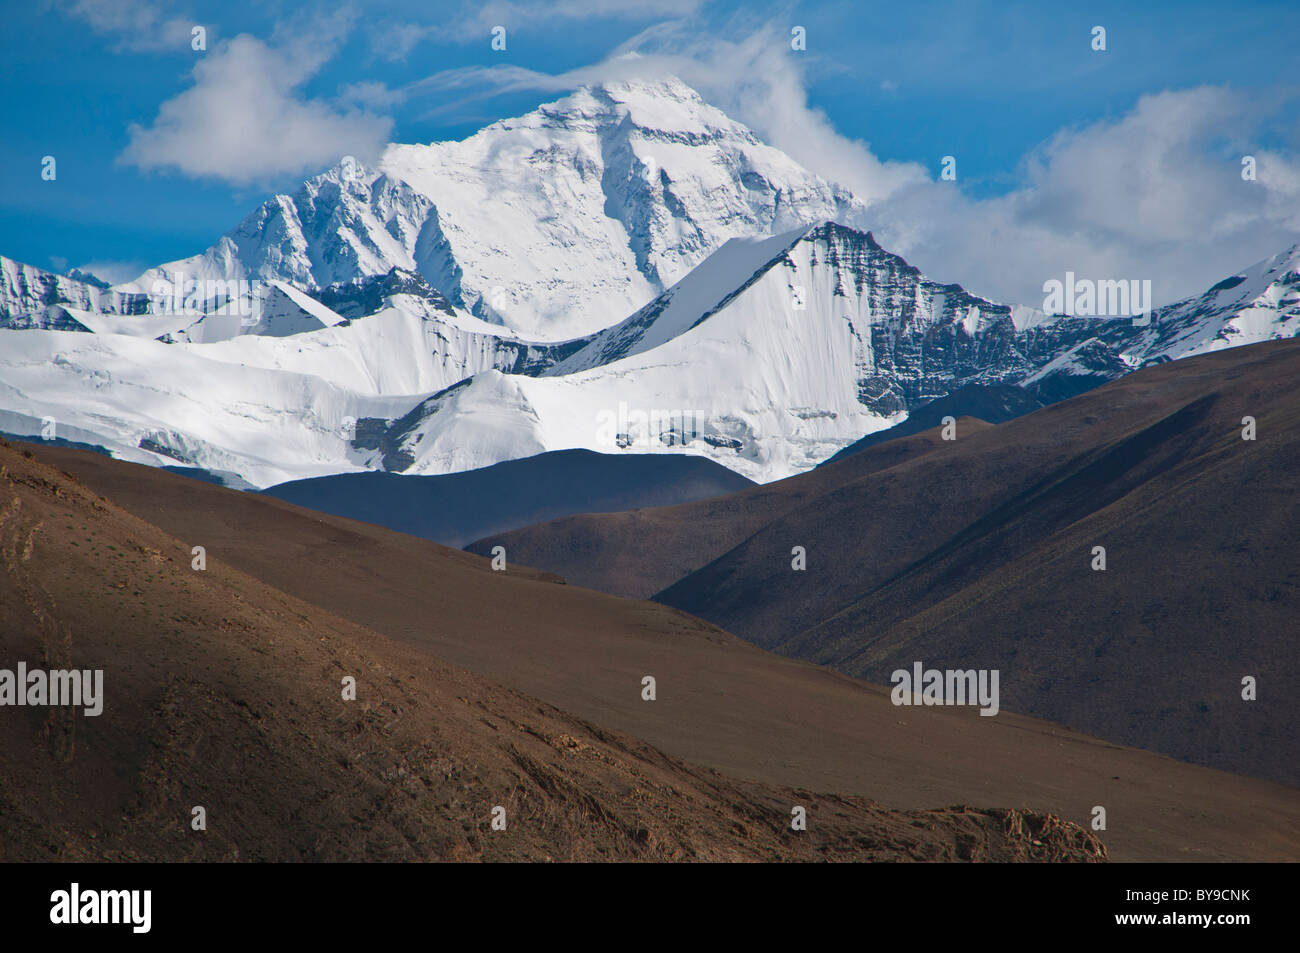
370, 94
518, 13
244, 121
394, 41
1156, 193
138, 25
473, 21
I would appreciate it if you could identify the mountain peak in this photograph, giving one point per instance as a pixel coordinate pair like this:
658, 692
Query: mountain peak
658, 107
661, 88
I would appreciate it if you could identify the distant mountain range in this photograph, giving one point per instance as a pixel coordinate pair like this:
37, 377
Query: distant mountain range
458, 508
989, 403
626, 270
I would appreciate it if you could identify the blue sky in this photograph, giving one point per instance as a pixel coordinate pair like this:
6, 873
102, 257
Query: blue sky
1042, 125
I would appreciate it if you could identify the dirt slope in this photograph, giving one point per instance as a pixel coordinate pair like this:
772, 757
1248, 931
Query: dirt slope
223, 693
981, 555
721, 702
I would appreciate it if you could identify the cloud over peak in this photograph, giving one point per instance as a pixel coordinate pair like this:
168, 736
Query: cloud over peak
245, 120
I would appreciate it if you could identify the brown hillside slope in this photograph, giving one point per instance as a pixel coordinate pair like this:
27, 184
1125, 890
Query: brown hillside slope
721, 702
980, 555
221, 692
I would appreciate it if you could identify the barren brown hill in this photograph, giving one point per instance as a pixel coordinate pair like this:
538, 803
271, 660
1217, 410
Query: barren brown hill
636, 553
722, 703
222, 693
982, 554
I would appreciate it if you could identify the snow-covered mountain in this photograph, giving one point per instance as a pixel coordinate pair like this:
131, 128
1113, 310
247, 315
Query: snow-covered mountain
555, 224
769, 357
32, 298
271, 399
26, 291
724, 321
765, 357
775, 353
1261, 303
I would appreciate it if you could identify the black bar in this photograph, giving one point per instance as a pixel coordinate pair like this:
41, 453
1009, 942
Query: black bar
916, 902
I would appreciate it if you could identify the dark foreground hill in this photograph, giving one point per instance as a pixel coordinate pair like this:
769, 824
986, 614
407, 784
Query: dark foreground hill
221, 693
721, 704
456, 508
